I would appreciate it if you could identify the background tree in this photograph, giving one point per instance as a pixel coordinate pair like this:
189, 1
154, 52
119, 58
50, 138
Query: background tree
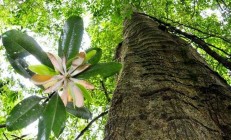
209, 21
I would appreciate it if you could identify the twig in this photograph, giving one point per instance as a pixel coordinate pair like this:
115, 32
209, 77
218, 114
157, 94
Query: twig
219, 5
90, 123
5, 136
2, 125
226, 6
18, 137
50, 95
196, 29
105, 90
194, 8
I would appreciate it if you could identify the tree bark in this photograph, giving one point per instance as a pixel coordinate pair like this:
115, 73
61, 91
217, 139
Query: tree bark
166, 90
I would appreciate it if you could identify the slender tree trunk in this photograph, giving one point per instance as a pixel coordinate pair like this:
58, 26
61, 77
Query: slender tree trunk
166, 90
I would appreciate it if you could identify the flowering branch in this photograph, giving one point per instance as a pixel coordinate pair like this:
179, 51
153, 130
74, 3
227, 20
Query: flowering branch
63, 78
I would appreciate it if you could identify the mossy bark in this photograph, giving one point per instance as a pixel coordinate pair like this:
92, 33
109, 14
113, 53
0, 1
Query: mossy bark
166, 90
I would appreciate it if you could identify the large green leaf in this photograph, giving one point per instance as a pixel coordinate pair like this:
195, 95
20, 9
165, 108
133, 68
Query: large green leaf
82, 112
20, 67
93, 55
52, 119
86, 94
102, 69
71, 37
19, 45
24, 113
42, 70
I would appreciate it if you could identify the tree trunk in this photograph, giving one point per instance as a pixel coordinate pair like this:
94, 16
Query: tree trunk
166, 90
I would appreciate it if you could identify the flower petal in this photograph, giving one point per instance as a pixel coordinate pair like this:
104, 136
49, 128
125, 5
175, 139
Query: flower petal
66, 87
55, 87
76, 95
77, 62
40, 79
64, 64
50, 83
64, 96
84, 83
80, 69
56, 61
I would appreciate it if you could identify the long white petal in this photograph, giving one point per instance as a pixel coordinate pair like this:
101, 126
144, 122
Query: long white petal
84, 83
53, 82
54, 78
77, 96
77, 62
64, 96
56, 61
55, 87
80, 69
64, 64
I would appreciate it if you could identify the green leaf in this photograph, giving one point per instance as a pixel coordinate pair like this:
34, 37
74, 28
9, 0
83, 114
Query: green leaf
71, 37
103, 69
86, 94
93, 55
82, 112
42, 70
19, 45
20, 66
24, 113
52, 119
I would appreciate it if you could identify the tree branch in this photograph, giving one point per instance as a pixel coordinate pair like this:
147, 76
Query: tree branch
201, 43
219, 49
219, 5
5, 136
196, 29
90, 123
105, 90
226, 6
18, 137
2, 125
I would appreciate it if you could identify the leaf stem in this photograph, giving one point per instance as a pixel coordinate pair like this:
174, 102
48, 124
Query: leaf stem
90, 123
50, 95
105, 90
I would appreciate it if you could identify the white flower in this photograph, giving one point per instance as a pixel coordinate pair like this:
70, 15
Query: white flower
65, 80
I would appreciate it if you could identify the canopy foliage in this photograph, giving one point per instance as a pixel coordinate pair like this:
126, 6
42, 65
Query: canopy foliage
208, 20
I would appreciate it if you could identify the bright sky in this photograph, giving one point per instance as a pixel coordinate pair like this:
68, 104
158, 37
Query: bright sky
209, 12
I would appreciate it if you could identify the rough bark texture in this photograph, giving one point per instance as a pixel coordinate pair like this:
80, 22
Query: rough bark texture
166, 90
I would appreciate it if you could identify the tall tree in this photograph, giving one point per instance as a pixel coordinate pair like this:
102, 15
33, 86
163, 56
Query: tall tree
204, 24
166, 90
